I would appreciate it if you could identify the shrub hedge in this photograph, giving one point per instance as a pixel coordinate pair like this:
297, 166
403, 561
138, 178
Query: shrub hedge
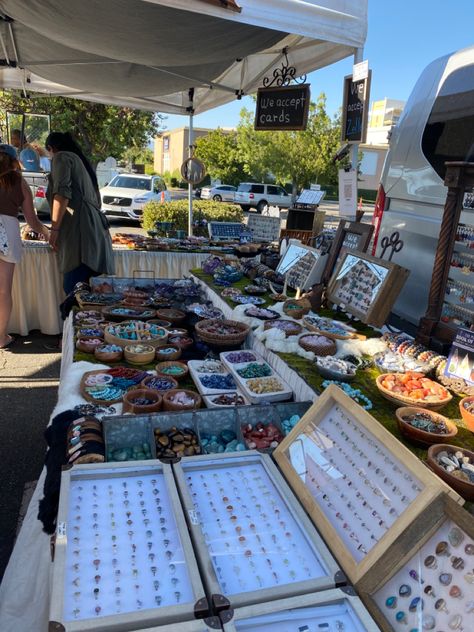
177, 212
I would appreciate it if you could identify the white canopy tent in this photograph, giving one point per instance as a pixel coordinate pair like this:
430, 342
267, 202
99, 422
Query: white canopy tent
149, 54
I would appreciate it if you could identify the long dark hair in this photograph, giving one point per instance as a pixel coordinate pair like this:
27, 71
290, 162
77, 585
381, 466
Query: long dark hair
65, 142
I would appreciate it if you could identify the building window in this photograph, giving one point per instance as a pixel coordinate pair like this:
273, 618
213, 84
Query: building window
166, 143
368, 164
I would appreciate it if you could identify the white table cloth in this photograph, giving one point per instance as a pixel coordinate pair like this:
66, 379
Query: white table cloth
37, 283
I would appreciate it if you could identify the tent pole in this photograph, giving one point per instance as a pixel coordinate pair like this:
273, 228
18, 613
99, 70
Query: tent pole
190, 186
358, 57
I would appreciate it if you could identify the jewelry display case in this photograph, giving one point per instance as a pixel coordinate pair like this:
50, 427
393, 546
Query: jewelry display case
123, 557
329, 611
426, 579
249, 532
360, 485
349, 236
209, 624
366, 286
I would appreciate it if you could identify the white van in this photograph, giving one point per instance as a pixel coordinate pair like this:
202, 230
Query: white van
437, 125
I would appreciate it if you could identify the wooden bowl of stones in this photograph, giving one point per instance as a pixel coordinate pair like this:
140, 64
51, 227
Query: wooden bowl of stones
455, 466
423, 426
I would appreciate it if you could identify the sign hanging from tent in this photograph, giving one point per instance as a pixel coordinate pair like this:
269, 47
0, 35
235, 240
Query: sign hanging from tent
193, 171
282, 108
355, 109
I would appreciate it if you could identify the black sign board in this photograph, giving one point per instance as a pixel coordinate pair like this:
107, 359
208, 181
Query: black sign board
282, 108
355, 109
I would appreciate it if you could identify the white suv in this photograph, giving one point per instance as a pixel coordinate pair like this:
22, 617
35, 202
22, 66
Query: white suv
251, 194
126, 194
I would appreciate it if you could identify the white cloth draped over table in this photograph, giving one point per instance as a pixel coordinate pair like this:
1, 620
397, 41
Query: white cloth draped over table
37, 283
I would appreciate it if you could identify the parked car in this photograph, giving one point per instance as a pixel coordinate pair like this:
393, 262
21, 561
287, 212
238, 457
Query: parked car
38, 183
437, 125
251, 194
127, 193
219, 193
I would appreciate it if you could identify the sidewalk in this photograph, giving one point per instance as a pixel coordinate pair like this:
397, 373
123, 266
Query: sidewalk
29, 378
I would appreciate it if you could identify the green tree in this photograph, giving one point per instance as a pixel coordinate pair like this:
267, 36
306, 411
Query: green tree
219, 152
299, 157
101, 130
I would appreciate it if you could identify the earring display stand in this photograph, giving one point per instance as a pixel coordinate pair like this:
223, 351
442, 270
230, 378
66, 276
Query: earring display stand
361, 487
249, 532
123, 553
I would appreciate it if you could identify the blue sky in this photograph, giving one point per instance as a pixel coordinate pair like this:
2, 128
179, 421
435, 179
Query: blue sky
403, 37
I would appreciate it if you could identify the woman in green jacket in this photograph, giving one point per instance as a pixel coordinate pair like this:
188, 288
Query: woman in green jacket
79, 231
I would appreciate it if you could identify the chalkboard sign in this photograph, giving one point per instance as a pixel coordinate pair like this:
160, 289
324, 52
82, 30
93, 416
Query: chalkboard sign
355, 109
351, 241
282, 108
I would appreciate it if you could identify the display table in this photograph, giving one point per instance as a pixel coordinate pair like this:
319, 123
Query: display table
37, 283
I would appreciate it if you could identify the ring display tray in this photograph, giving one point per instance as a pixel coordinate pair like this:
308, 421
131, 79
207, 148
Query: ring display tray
123, 557
361, 487
426, 579
249, 533
210, 624
329, 611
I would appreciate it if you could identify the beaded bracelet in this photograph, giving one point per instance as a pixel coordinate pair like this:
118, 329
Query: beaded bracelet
354, 393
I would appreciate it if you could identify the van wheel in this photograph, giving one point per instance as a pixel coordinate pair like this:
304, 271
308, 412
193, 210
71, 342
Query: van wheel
217, 198
245, 208
261, 205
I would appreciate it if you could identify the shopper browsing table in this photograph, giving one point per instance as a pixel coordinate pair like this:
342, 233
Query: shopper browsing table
15, 196
79, 231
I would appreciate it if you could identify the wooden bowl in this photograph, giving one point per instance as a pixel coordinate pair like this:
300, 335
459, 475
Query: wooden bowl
422, 436
401, 400
291, 329
466, 415
177, 331
163, 357
169, 405
204, 332
157, 341
464, 488
173, 383
145, 355
183, 342
175, 316
296, 308
164, 365
88, 345
83, 336
161, 323
325, 347
130, 407
107, 356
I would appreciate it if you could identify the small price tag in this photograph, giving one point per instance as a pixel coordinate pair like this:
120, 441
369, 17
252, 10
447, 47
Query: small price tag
61, 531
193, 516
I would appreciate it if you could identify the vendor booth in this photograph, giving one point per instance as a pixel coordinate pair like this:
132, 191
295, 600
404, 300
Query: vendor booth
238, 443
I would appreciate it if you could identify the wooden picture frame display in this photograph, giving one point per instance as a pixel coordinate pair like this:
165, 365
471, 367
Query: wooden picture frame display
350, 236
361, 487
365, 286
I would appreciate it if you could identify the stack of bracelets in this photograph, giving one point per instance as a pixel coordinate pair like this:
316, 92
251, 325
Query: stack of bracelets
85, 441
402, 344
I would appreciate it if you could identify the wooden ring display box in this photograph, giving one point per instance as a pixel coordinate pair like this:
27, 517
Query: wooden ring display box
90, 603
361, 487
